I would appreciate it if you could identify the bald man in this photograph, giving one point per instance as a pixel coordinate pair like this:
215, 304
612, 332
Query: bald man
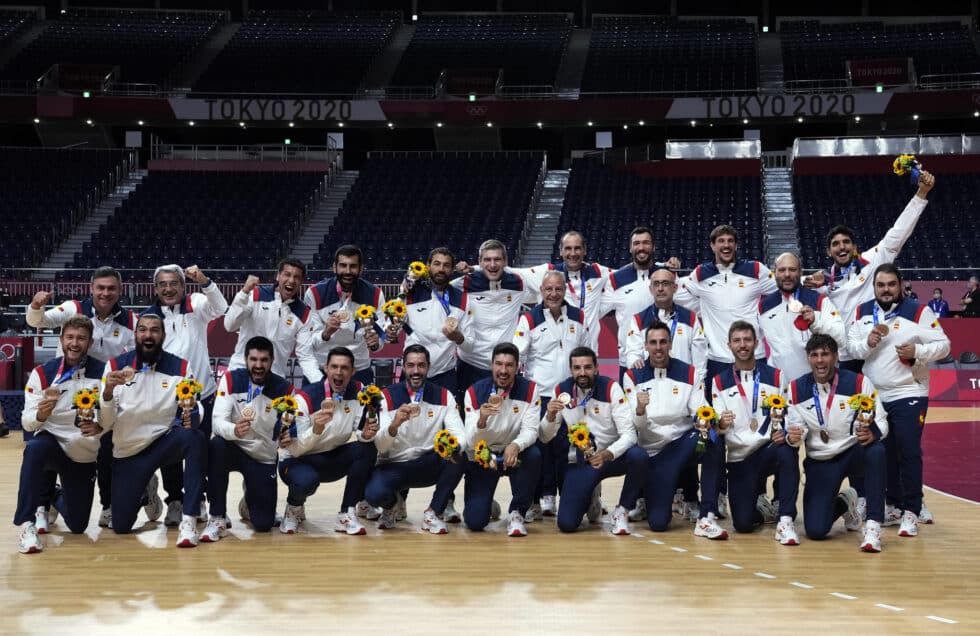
790, 315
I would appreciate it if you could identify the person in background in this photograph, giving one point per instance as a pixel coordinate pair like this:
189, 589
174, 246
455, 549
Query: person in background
939, 306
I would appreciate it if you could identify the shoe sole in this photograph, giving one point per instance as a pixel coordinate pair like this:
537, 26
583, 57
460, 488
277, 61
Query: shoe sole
383, 527
435, 530
516, 533
620, 533
30, 550
356, 532
186, 543
908, 534
209, 539
720, 537
789, 542
453, 519
867, 547
42, 530
281, 531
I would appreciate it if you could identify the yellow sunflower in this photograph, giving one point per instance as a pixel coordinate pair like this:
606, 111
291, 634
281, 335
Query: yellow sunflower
580, 437
441, 449
419, 269
365, 311
480, 446
443, 433
866, 404
84, 399
185, 391
452, 441
777, 402
372, 390
398, 308
363, 398
706, 413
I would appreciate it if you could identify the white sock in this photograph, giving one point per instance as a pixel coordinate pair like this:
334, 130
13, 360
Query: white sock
786, 519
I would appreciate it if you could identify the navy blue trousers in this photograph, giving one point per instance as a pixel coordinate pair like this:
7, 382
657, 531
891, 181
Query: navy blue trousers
745, 476
304, 474
173, 476
42, 457
581, 479
131, 474
388, 479
482, 482
821, 507
260, 482
903, 450
664, 471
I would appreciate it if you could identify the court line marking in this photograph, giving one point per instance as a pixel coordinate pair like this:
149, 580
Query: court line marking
890, 607
940, 619
846, 597
703, 557
676, 549
802, 586
942, 492
732, 566
763, 575
656, 541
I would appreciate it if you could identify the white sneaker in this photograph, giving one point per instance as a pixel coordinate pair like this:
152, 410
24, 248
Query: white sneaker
29, 541
910, 524
924, 515
387, 519
594, 511
691, 511
432, 523
450, 514
676, 505
41, 520
515, 525
786, 532
764, 506
349, 523
640, 512
291, 519
722, 506
708, 527
154, 505
105, 518
202, 516
893, 516
364, 510
187, 532
852, 520
619, 522
401, 510
533, 513
862, 509
175, 511
217, 527
872, 537
495, 511
549, 507
243, 512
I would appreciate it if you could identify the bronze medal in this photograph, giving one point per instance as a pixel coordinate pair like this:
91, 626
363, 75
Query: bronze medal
882, 330
328, 405
564, 399
414, 409
754, 425
495, 400
52, 392
248, 413
343, 316
795, 306
129, 373
452, 324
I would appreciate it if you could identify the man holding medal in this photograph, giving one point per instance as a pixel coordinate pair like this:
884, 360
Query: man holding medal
277, 313
437, 319
608, 444
151, 430
747, 397
790, 315
245, 439
544, 337
411, 415
318, 448
66, 436
847, 281
841, 440
186, 318
897, 338
502, 413
335, 301
665, 396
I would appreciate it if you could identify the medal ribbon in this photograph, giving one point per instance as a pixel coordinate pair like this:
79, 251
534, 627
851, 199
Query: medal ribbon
830, 400
755, 390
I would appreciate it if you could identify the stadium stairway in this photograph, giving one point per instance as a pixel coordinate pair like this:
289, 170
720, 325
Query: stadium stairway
63, 257
540, 240
782, 234
572, 67
16, 44
770, 63
188, 74
381, 70
308, 243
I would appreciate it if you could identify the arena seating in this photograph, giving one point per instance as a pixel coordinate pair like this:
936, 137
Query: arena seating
400, 208
147, 46
44, 191
605, 203
299, 52
221, 220
656, 53
944, 238
13, 22
813, 50
528, 47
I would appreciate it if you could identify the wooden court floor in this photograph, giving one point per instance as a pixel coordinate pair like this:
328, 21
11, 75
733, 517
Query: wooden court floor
404, 581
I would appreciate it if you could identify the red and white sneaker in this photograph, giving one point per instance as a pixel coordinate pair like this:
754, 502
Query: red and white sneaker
515, 525
349, 523
187, 532
217, 527
925, 516
786, 532
620, 525
872, 537
708, 527
30, 543
432, 524
893, 516
910, 524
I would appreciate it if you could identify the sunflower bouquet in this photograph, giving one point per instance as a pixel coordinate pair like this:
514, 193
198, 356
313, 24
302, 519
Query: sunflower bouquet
187, 391
370, 398
445, 444
704, 419
581, 438
483, 456
287, 407
395, 309
907, 165
864, 404
365, 315
416, 271
776, 405
86, 401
